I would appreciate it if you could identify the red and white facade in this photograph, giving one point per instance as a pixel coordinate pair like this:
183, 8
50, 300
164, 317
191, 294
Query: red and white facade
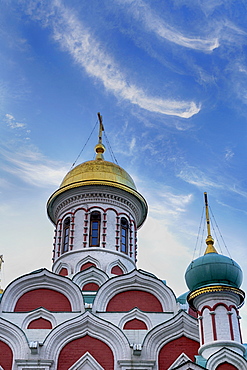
96, 311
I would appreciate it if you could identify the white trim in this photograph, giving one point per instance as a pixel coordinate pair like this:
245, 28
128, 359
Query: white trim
86, 324
86, 259
135, 314
86, 362
183, 358
132, 365
90, 275
226, 355
135, 280
206, 350
37, 314
62, 265
38, 280
33, 364
14, 337
180, 325
119, 264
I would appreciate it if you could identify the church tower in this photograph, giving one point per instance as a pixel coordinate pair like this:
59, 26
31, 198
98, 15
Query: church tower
214, 282
96, 212
96, 311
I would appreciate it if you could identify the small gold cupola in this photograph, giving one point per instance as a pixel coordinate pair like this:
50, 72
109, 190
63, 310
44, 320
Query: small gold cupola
209, 240
100, 148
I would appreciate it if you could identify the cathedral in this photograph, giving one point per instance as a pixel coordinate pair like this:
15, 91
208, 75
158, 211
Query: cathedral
96, 311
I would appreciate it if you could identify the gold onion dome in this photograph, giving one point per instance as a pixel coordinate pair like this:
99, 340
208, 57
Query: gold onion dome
98, 172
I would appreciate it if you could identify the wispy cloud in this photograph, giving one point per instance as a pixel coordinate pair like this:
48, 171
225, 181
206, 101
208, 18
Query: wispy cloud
142, 12
12, 123
228, 154
33, 168
164, 203
196, 177
87, 52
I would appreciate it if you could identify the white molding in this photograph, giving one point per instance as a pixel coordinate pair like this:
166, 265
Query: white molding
206, 350
84, 260
37, 314
116, 263
14, 337
183, 358
226, 355
86, 324
135, 314
90, 275
33, 364
104, 194
135, 280
86, 362
180, 325
140, 365
38, 280
62, 265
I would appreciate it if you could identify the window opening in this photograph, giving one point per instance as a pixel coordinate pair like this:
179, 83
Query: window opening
95, 229
124, 235
66, 227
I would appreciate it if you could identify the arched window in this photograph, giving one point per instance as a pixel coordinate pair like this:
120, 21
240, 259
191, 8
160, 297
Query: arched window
66, 226
124, 235
95, 229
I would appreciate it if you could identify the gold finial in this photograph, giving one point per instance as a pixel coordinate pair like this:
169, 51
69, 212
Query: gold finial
209, 241
1, 261
100, 148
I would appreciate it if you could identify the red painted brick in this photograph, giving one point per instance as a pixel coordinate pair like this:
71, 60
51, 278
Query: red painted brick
130, 299
6, 356
40, 324
87, 265
135, 324
116, 270
90, 287
63, 272
47, 298
75, 349
170, 351
226, 366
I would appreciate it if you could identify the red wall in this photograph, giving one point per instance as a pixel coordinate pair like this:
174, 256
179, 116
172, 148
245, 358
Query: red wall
63, 272
75, 349
226, 366
90, 287
170, 351
135, 324
87, 265
6, 356
47, 298
116, 270
40, 324
130, 299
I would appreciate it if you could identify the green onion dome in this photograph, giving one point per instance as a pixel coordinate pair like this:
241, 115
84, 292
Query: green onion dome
213, 269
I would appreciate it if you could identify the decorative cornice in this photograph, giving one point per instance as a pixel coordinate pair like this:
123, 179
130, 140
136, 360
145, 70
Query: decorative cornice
135, 280
215, 288
96, 197
86, 324
42, 279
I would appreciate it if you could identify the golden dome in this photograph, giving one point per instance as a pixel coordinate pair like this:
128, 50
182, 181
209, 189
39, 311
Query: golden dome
97, 172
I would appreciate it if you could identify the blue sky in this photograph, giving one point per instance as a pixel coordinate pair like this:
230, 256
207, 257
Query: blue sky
169, 79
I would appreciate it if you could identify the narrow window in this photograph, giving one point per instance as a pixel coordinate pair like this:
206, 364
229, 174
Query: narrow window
66, 225
94, 229
124, 235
